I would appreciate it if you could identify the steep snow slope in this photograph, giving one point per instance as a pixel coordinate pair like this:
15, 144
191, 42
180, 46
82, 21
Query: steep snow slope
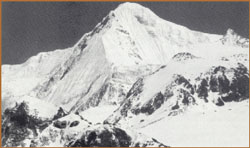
21, 79
144, 38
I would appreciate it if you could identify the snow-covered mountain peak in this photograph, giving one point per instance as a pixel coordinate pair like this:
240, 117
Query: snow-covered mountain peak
137, 36
134, 9
233, 38
130, 5
230, 32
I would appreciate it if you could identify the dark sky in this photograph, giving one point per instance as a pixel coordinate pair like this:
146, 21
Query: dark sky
32, 27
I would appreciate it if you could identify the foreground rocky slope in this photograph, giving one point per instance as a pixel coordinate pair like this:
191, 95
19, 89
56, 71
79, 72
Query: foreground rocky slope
20, 128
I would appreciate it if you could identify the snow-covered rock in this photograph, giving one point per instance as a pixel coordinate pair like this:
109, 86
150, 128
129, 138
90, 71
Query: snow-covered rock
232, 38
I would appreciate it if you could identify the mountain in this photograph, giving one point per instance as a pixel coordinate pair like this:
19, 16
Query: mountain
133, 70
232, 38
187, 97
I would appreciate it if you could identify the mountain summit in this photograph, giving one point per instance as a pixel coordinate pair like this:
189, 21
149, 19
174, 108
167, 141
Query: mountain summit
141, 37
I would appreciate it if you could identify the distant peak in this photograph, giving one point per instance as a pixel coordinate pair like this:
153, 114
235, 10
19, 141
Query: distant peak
230, 32
233, 38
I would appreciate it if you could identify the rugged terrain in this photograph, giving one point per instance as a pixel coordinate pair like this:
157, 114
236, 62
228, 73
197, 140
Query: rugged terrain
134, 80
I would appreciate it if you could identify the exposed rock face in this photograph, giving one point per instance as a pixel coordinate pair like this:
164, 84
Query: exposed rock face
203, 90
183, 56
74, 123
18, 125
231, 84
109, 136
239, 87
60, 124
60, 113
153, 104
184, 97
136, 88
70, 130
